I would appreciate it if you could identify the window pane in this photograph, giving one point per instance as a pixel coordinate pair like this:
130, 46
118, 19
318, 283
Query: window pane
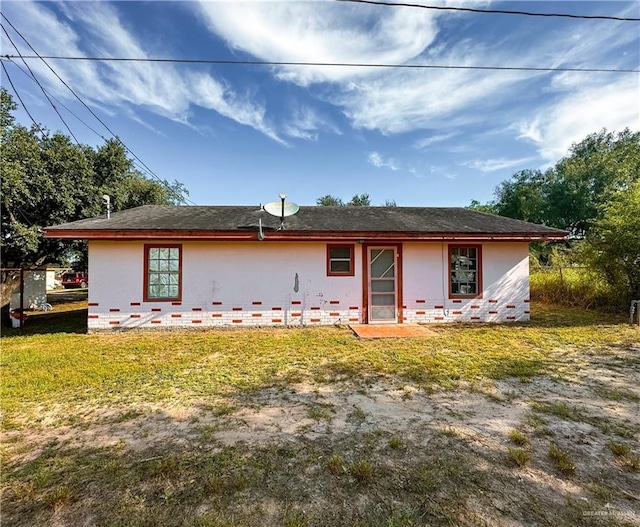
163, 272
382, 286
383, 300
464, 267
340, 252
467, 289
341, 266
382, 263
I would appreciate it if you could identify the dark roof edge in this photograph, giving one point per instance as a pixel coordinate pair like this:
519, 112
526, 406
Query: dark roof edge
248, 235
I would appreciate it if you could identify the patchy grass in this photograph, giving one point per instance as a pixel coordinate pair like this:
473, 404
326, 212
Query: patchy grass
519, 456
624, 455
319, 412
311, 426
43, 368
560, 459
518, 438
577, 414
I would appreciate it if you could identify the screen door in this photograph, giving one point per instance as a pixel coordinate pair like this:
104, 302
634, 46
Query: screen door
382, 285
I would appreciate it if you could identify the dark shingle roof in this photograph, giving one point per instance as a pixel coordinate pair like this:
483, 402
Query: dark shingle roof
414, 220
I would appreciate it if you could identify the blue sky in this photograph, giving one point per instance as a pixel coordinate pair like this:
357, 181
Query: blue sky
241, 134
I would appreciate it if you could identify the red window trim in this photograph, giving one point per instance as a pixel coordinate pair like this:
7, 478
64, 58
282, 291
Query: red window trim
352, 250
478, 249
145, 292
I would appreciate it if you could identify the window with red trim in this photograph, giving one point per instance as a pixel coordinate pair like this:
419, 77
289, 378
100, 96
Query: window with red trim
340, 260
162, 273
465, 271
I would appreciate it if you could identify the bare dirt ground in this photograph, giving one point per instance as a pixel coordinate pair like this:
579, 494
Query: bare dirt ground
372, 452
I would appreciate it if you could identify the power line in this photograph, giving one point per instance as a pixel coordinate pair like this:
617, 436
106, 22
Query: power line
58, 101
148, 170
493, 11
337, 64
137, 164
20, 99
41, 87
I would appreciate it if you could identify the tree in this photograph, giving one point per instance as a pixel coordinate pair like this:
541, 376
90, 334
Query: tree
329, 201
358, 200
570, 194
487, 207
47, 179
613, 243
523, 197
595, 170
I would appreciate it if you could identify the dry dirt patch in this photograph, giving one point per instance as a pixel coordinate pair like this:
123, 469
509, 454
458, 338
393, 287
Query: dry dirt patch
372, 452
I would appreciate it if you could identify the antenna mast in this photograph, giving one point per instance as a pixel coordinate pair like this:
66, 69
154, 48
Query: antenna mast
107, 199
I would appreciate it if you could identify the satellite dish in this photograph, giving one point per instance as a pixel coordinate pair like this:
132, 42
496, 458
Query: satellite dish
281, 209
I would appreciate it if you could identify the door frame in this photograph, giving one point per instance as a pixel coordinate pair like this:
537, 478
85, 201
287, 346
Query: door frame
365, 279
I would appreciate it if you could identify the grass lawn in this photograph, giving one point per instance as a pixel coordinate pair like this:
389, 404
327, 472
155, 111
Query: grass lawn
520, 424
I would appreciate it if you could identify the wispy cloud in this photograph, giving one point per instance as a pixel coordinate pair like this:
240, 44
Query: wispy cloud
306, 124
432, 139
395, 100
491, 165
559, 109
324, 32
378, 161
160, 88
610, 103
442, 171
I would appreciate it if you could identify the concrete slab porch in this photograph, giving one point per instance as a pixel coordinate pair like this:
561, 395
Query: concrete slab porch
381, 331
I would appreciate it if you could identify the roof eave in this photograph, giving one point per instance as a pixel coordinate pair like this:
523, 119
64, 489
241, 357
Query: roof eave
284, 235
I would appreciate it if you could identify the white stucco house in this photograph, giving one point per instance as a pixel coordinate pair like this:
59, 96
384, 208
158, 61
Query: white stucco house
157, 266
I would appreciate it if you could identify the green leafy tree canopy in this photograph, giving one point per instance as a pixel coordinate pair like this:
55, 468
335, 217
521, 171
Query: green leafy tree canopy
358, 200
47, 179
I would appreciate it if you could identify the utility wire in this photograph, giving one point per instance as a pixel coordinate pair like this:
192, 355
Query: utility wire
38, 127
493, 11
149, 171
337, 64
135, 162
41, 87
56, 99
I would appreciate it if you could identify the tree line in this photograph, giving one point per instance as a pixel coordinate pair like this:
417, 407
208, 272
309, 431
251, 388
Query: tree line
47, 179
594, 194
358, 200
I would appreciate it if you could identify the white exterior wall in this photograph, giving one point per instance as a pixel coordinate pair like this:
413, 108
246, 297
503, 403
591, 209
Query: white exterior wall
254, 283
505, 283
225, 283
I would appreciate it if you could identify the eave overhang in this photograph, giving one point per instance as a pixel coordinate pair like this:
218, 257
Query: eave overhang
285, 235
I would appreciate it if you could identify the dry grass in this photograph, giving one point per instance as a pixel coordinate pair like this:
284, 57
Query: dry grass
303, 427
